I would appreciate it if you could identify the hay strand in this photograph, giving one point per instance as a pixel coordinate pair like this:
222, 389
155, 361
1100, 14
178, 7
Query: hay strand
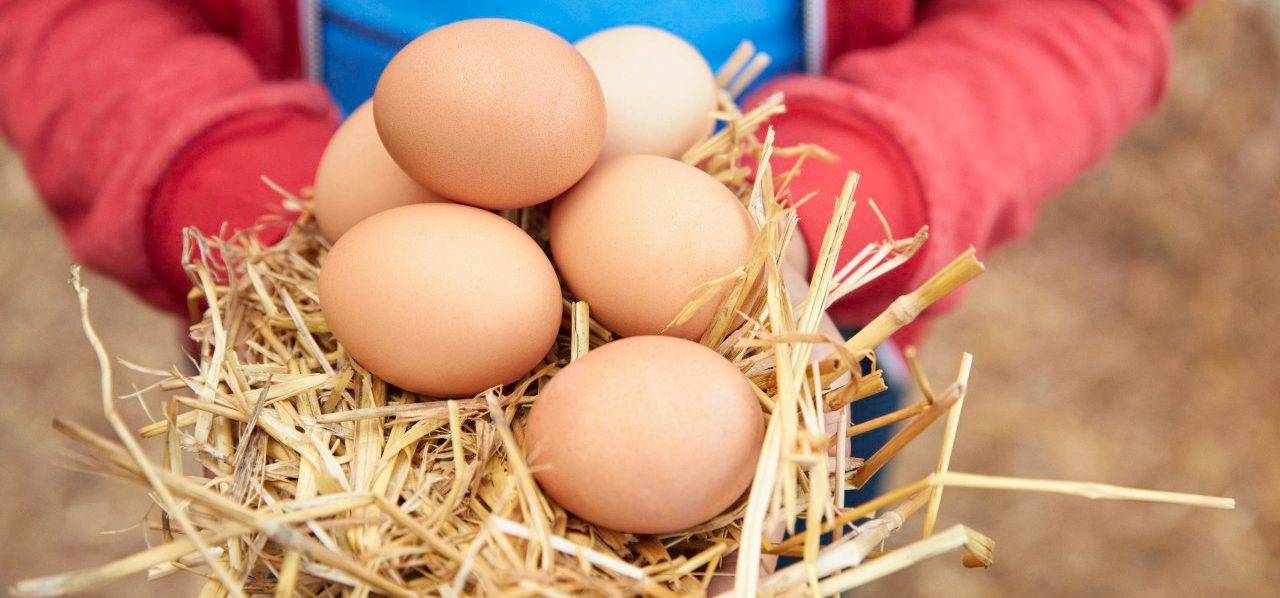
959, 536
1090, 490
948, 444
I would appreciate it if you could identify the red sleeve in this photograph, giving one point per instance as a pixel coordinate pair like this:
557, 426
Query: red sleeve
101, 96
216, 180
968, 123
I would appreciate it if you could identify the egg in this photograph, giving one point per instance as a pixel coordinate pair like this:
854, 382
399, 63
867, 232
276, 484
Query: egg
647, 435
639, 233
441, 299
356, 177
659, 91
491, 112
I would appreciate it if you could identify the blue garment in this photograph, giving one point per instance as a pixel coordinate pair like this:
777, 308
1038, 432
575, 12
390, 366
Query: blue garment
359, 37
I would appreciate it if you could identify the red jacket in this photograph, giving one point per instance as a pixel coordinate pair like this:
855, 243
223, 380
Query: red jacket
137, 118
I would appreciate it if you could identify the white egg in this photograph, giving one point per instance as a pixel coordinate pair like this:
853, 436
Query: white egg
659, 92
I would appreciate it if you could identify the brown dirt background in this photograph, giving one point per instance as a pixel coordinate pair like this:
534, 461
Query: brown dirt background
1131, 339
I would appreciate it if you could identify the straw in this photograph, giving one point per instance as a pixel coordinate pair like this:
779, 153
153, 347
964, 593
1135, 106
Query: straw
948, 443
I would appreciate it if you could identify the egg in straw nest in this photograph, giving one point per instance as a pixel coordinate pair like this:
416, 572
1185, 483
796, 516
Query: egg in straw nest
290, 469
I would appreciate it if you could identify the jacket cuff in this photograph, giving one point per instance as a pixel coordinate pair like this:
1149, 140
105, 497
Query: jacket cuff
216, 181
886, 175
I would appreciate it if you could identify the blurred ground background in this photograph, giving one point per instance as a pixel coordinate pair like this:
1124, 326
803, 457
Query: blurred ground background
1132, 339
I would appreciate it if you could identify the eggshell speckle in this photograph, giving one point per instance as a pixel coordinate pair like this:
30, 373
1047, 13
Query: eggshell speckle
441, 299
491, 112
658, 90
357, 179
646, 435
639, 233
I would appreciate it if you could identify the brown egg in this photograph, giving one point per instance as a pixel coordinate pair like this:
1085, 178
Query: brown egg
658, 90
357, 179
647, 435
639, 233
441, 299
491, 112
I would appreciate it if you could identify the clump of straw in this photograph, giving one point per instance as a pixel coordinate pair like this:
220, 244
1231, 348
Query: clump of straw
288, 469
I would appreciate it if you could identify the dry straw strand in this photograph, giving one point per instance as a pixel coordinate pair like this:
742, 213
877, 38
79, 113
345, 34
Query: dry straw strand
948, 443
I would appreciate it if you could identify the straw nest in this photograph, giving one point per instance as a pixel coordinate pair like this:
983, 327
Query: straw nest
288, 469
